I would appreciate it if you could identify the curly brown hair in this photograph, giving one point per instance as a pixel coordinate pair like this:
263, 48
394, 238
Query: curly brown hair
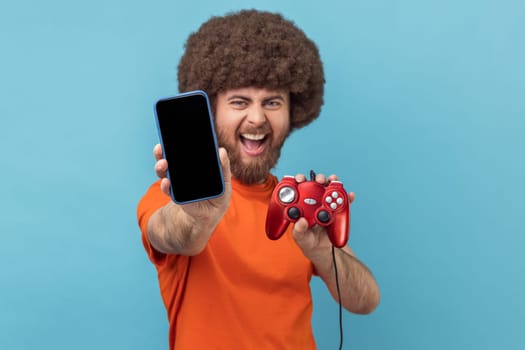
259, 49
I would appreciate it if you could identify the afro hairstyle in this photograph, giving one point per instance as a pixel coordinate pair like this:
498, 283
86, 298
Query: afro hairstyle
252, 48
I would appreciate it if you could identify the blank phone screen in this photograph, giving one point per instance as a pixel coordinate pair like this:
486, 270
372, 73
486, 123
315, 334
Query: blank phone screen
189, 144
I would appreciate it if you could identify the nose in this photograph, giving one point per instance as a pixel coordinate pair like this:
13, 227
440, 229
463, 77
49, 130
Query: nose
256, 116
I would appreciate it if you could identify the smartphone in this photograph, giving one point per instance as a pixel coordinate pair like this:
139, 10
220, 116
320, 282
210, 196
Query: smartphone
189, 144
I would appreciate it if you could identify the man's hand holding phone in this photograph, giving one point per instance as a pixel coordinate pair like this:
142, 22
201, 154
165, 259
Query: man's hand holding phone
194, 173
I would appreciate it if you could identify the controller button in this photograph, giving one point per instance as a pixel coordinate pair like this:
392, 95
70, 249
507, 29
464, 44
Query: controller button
335, 194
340, 201
287, 194
310, 201
333, 206
328, 200
323, 216
294, 213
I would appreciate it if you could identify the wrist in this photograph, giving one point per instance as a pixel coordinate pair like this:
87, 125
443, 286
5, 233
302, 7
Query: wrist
321, 257
185, 233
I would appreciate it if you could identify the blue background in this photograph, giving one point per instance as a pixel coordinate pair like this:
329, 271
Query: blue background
423, 119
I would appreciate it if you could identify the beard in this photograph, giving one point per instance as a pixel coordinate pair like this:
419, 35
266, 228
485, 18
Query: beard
257, 169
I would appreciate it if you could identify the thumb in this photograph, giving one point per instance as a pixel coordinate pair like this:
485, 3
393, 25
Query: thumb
299, 229
225, 164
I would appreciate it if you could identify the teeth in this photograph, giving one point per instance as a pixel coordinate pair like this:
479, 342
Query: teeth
253, 137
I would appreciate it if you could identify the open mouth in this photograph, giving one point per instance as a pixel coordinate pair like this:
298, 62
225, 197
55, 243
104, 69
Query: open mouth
254, 144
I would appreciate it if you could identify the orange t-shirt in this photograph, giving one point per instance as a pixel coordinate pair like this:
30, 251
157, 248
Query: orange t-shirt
244, 291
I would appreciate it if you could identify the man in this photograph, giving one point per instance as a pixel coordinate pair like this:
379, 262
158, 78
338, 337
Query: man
225, 285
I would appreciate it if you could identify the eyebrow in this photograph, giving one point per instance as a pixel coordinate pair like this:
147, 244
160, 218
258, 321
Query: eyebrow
241, 97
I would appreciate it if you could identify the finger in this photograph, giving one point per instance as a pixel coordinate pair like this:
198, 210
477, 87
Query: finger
333, 178
157, 152
320, 178
161, 168
351, 197
165, 186
300, 178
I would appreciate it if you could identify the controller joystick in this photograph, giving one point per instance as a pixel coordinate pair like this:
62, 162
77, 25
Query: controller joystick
325, 205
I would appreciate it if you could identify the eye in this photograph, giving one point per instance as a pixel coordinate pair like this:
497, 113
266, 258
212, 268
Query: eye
238, 103
273, 104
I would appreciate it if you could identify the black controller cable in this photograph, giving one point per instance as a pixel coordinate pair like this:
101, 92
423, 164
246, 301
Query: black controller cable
339, 300
312, 178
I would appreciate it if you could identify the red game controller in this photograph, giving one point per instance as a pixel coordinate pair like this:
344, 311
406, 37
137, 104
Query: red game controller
319, 204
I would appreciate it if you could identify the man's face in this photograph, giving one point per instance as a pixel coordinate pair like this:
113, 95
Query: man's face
252, 124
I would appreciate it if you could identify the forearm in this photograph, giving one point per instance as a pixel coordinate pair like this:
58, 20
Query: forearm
172, 231
359, 290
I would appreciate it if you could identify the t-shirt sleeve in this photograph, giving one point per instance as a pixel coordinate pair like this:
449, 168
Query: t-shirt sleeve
152, 200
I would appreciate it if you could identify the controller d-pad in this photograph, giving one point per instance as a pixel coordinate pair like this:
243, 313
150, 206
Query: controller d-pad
323, 216
294, 213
